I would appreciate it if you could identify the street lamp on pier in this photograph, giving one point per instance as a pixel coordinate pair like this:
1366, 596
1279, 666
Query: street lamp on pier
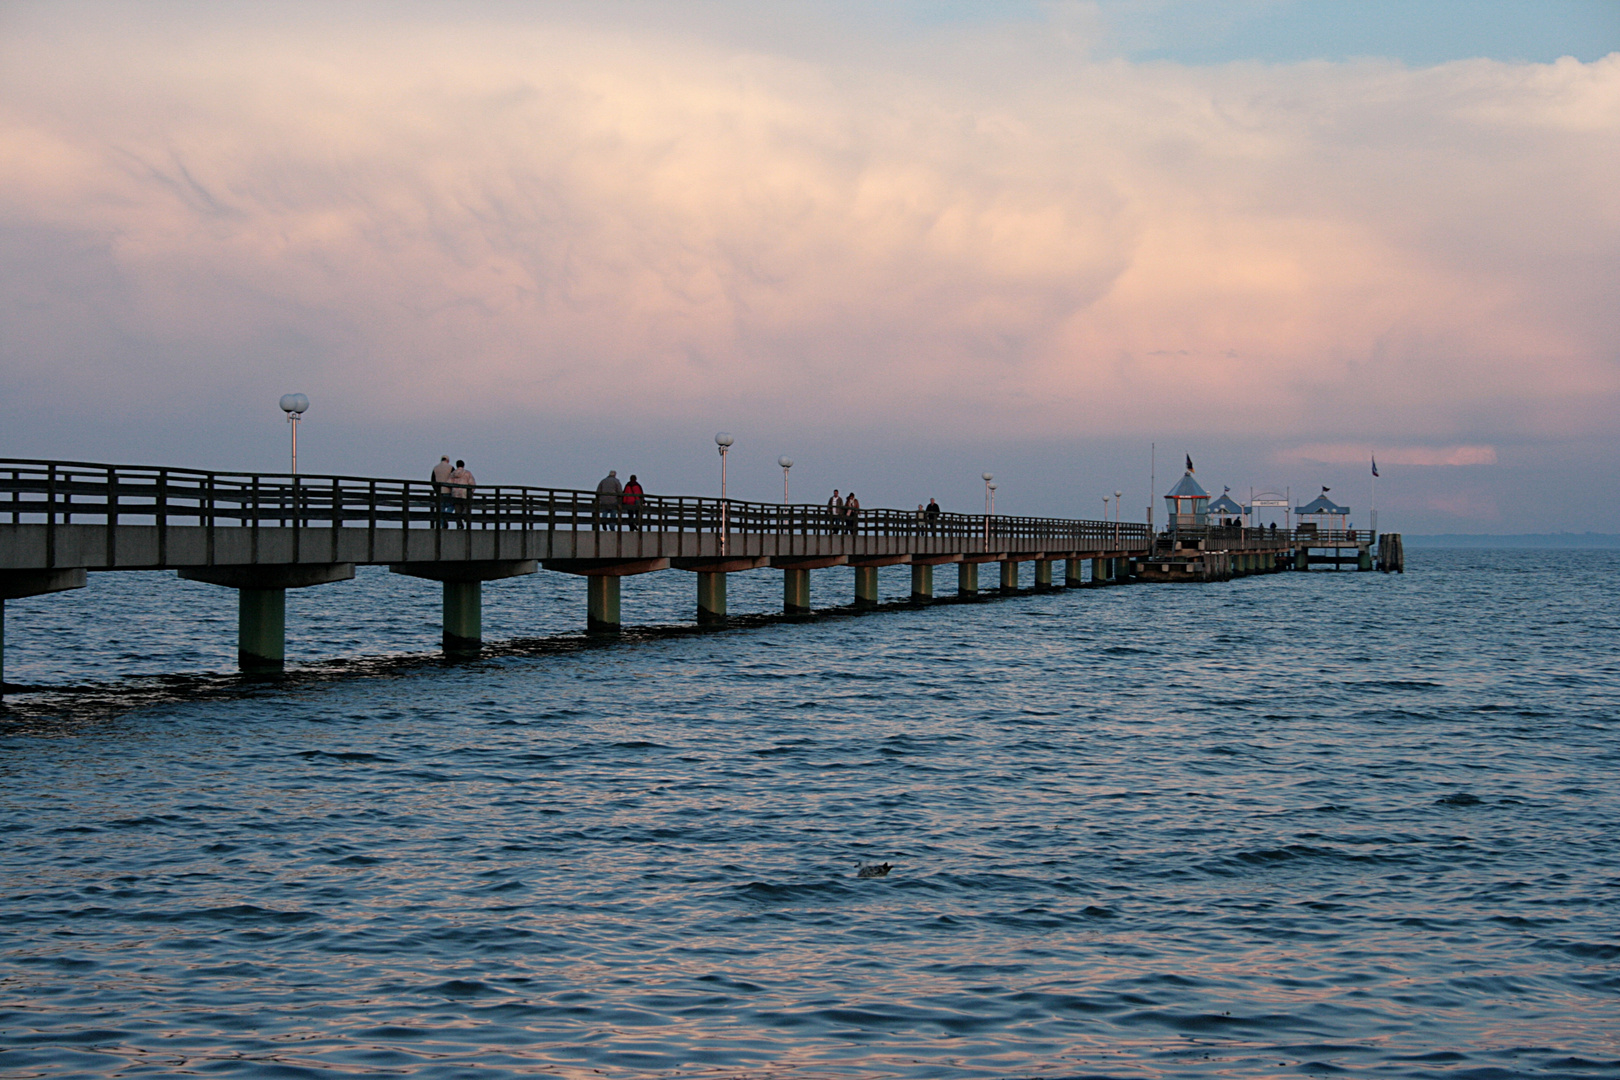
294, 405
987, 478
786, 463
1118, 495
723, 440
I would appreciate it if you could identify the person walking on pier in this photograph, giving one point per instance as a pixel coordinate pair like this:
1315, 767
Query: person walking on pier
852, 512
440, 477
932, 513
607, 499
462, 484
835, 513
632, 503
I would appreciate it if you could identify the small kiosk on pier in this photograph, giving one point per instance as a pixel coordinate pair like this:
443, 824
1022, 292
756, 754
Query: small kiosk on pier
1226, 510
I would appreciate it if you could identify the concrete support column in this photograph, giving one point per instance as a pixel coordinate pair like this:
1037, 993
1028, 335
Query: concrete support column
1302, 558
1101, 571
1009, 576
866, 586
1043, 574
603, 614
261, 605
922, 582
261, 631
1072, 570
796, 592
711, 598
1364, 558
463, 585
463, 617
967, 579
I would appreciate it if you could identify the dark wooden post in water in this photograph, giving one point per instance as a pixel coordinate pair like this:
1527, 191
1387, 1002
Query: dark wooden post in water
1391, 555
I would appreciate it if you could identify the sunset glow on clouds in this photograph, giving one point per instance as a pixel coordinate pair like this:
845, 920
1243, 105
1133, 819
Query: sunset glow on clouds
994, 233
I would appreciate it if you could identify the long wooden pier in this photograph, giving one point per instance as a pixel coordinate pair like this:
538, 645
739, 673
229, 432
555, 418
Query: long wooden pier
262, 534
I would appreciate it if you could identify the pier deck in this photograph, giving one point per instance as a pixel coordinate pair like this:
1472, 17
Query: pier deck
262, 534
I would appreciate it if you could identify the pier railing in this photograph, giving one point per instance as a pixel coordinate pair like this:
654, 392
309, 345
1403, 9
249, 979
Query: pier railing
1224, 536
74, 492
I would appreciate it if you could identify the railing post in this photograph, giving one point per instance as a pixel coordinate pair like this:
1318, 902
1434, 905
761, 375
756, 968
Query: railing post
163, 517
254, 539
112, 517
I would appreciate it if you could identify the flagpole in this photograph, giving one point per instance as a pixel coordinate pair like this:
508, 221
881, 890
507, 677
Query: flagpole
1374, 483
1153, 481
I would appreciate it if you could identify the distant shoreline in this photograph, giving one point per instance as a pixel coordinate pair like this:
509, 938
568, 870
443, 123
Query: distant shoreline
1513, 540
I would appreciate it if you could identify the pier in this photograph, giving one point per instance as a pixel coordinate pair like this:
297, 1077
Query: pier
262, 534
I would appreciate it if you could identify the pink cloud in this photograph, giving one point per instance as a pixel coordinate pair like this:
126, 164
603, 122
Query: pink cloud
1353, 453
549, 220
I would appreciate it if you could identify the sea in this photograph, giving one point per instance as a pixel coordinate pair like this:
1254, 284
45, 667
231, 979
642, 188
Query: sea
1297, 824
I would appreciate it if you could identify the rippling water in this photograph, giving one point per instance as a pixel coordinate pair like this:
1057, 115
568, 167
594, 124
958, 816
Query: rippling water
1298, 823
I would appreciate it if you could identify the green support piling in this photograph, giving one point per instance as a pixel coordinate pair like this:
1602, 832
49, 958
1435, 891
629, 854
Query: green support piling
463, 617
967, 579
1043, 574
711, 598
603, 617
1073, 570
1364, 558
261, 623
796, 592
922, 582
866, 586
1009, 576
1101, 571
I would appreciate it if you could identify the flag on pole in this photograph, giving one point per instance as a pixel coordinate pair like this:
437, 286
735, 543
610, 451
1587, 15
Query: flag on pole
1189, 463
1375, 464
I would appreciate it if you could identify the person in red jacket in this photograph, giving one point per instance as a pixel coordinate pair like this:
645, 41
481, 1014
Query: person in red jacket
631, 499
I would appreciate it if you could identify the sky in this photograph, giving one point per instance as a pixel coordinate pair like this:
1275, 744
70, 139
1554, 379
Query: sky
902, 244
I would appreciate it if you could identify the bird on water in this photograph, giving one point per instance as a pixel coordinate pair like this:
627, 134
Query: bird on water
872, 870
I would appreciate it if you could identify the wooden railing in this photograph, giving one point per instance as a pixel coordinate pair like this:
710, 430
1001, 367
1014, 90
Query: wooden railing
75, 492
1217, 537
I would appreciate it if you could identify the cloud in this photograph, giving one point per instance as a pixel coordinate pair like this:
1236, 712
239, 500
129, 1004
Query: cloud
1353, 453
556, 219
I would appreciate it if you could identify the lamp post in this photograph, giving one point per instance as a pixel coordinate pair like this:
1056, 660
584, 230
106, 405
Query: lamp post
991, 486
987, 478
294, 405
1118, 495
723, 440
786, 463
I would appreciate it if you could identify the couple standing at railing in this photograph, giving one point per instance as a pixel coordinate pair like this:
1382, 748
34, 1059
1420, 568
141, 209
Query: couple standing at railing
843, 513
611, 497
452, 490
